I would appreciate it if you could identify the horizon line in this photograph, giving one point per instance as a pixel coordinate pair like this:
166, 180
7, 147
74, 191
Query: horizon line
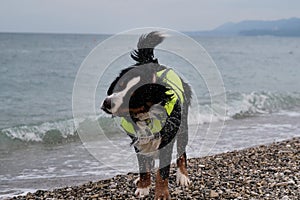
105, 33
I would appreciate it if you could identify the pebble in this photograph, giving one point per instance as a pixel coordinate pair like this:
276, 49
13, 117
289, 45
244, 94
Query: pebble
262, 172
213, 194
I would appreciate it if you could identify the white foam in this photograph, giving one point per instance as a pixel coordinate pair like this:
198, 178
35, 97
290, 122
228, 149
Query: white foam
15, 192
205, 116
35, 133
289, 113
247, 104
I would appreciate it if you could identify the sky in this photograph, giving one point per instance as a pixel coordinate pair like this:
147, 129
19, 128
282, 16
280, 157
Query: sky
113, 16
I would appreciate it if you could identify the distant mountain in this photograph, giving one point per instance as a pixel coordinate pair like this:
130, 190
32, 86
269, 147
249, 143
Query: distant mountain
283, 27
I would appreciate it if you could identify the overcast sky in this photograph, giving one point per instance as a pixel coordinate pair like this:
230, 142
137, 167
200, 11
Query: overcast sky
112, 16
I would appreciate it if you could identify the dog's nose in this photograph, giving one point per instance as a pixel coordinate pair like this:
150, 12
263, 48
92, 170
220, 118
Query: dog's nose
106, 105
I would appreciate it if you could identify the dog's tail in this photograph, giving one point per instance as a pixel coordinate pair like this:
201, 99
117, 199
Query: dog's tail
147, 42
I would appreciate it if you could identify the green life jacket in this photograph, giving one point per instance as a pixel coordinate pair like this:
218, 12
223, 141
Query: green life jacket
171, 79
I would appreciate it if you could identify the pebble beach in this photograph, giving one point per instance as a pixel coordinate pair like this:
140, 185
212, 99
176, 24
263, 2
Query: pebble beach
261, 172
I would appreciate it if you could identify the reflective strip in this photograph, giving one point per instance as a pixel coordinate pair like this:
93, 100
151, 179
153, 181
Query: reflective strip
172, 79
155, 126
127, 126
169, 106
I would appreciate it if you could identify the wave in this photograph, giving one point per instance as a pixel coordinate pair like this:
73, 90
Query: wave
239, 106
48, 132
242, 105
53, 133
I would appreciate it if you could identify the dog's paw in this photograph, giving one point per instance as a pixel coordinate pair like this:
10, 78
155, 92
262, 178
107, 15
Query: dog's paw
182, 179
142, 192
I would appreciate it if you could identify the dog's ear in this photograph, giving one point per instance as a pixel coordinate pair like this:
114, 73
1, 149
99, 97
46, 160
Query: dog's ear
144, 54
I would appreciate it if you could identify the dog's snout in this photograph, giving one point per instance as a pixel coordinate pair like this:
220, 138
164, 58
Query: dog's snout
107, 104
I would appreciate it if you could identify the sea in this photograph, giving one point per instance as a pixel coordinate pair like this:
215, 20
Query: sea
40, 145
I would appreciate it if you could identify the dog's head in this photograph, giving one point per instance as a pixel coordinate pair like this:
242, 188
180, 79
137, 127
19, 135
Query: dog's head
137, 88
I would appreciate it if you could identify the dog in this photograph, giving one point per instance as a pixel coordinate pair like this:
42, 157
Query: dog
153, 102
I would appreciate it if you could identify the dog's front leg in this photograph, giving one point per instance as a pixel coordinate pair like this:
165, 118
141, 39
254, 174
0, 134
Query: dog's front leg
144, 181
182, 177
162, 176
161, 185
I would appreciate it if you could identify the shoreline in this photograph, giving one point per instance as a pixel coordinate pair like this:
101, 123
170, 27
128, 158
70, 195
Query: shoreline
262, 172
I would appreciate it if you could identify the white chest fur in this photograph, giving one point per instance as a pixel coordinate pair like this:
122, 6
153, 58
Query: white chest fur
148, 145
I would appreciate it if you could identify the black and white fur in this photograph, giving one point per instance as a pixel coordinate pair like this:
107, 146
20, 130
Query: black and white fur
138, 94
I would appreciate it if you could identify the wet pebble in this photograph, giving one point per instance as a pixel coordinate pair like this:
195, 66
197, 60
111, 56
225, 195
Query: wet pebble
262, 172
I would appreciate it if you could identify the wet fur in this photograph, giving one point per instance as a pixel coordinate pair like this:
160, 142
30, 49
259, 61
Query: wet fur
141, 98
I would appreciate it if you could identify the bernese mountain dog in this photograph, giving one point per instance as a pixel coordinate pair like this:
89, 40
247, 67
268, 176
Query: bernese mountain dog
152, 101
